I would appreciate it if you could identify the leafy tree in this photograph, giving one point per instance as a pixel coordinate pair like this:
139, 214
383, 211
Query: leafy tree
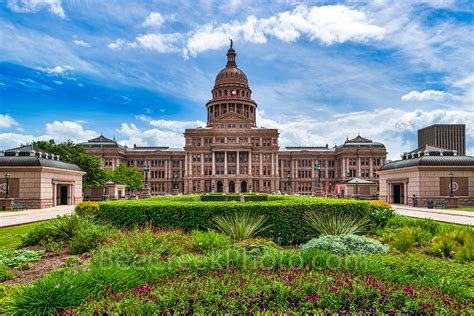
130, 176
71, 152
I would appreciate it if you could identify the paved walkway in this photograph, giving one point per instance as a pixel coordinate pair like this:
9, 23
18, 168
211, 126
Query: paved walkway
448, 216
31, 216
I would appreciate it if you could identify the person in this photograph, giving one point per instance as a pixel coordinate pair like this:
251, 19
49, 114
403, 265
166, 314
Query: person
414, 200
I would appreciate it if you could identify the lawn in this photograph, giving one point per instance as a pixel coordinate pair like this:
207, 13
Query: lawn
10, 237
469, 209
374, 263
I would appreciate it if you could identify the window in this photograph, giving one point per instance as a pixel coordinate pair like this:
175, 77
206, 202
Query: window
231, 126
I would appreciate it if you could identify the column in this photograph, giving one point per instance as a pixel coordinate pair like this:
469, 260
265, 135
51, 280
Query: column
371, 167
250, 163
186, 172
276, 165
190, 167
343, 176
261, 164
166, 169
238, 163
202, 165
225, 162
213, 163
273, 164
326, 169
358, 167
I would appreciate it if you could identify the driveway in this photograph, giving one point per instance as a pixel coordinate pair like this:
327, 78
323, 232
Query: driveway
448, 216
31, 216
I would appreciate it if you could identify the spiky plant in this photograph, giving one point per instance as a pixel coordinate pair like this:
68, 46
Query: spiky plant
332, 223
240, 225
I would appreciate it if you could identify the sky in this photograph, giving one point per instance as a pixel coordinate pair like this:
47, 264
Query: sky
320, 71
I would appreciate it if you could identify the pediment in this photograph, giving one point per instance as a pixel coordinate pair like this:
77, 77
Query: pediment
231, 117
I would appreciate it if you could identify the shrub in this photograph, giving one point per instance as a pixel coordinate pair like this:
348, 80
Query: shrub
240, 226
62, 228
257, 245
380, 214
5, 293
5, 273
209, 240
284, 213
457, 244
17, 258
346, 244
87, 209
87, 237
334, 223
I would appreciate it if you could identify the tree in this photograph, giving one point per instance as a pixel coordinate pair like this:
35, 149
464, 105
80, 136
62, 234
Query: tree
130, 176
75, 153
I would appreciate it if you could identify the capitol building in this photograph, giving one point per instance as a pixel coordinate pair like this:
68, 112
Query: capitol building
233, 154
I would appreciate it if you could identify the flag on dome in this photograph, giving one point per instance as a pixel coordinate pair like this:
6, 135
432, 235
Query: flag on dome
234, 93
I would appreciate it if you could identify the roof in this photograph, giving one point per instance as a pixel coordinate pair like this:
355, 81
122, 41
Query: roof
359, 181
307, 148
429, 150
33, 161
360, 141
101, 139
29, 148
454, 161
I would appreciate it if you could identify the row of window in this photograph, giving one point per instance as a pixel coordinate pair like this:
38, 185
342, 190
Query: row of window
207, 141
232, 93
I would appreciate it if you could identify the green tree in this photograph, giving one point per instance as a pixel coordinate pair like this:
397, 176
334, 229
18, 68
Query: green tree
71, 152
130, 176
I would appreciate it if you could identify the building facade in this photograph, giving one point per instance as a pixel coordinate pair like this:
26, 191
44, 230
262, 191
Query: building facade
436, 175
37, 179
233, 154
447, 136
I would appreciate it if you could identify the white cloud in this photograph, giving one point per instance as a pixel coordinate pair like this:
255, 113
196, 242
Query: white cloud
6, 121
154, 19
57, 70
328, 24
388, 126
64, 130
150, 137
426, 95
81, 43
31, 6
178, 126
162, 43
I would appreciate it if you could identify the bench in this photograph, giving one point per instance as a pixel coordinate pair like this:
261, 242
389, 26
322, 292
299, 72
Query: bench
18, 206
440, 204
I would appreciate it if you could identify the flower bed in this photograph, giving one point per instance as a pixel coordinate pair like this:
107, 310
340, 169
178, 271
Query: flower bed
281, 291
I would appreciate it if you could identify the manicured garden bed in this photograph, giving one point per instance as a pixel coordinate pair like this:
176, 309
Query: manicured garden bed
189, 212
373, 263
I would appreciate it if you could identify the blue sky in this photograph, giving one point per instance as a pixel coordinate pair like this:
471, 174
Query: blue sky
320, 71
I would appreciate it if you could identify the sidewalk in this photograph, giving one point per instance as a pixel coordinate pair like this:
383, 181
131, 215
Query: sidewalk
34, 215
448, 216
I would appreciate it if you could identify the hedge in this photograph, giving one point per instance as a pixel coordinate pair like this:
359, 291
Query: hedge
232, 197
285, 215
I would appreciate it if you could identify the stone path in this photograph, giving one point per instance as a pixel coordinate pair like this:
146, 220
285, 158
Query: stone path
31, 216
448, 216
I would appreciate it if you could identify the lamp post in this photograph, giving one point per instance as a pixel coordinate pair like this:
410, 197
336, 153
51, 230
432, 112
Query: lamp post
146, 168
7, 178
451, 176
317, 171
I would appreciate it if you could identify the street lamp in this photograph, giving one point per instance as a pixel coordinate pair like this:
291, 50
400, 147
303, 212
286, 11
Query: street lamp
451, 175
146, 168
7, 178
175, 182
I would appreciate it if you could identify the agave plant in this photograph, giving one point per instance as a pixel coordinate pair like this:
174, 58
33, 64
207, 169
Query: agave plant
323, 223
240, 225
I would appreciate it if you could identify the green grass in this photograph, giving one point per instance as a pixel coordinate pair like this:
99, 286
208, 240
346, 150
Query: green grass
469, 209
10, 237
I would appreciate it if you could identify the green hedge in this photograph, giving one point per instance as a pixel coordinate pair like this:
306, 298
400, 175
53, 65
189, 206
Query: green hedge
232, 197
285, 215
